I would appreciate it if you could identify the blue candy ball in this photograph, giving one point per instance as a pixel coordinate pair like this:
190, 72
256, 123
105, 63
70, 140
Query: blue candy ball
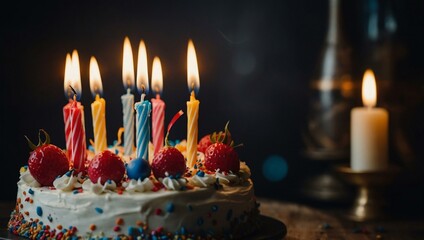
138, 168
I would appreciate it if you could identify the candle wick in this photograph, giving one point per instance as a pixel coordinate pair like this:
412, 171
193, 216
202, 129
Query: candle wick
73, 90
128, 90
142, 97
192, 86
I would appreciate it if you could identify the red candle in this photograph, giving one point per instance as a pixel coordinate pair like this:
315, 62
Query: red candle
73, 114
158, 107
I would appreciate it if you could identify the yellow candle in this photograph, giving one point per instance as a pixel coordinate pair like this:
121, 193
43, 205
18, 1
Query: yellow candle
98, 108
369, 130
192, 105
192, 129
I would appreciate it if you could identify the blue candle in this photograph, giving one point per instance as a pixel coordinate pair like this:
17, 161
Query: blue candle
143, 109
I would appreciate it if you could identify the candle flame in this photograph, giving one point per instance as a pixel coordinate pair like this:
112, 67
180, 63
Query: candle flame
193, 81
157, 78
369, 89
72, 76
68, 76
142, 71
95, 78
128, 65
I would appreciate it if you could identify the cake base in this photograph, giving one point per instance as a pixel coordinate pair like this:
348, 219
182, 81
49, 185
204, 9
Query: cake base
270, 229
227, 213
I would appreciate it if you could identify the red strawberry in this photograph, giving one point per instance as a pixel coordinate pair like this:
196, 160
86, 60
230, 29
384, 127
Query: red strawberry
46, 161
204, 143
168, 160
222, 157
222, 136
106, 166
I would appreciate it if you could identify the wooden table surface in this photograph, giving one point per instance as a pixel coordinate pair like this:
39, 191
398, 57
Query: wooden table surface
304, 222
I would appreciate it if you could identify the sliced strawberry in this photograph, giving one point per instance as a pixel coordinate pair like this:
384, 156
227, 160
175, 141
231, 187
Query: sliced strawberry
168, 162
222, 157
106, 166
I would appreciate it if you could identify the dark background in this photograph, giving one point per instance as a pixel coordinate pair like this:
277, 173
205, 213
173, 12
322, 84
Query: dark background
256, 59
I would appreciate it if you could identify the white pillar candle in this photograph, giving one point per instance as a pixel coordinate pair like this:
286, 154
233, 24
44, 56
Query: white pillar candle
369, 130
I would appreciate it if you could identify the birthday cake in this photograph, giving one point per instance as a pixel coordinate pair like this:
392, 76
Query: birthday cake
115, 197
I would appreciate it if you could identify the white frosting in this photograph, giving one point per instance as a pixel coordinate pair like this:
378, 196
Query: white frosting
227, 179
138, 185
27, 178
83, 209
98, 188
68, 183
173, 184
206, 181
244, 172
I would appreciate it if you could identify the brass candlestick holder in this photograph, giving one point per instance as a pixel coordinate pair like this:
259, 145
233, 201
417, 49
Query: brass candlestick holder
370, 202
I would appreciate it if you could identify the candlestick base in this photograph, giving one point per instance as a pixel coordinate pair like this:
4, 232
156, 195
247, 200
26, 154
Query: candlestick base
370, 202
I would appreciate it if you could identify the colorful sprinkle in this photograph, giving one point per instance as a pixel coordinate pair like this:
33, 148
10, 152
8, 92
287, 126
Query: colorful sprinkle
200, 173
59, 227
92, 227
214, 208
170, 207
117, 228
75, 192
158, 211
200, 221
119, 221
325, 226
98, 210
190, 208
50, 218
30, 191
39, 211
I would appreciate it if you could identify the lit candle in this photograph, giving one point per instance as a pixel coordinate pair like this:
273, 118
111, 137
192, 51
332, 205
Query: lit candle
144, 107
128, 99
158, 111
192, 105
73, 114
98, 107
369, 130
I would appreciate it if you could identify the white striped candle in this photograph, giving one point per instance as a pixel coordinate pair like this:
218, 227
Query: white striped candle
128, 120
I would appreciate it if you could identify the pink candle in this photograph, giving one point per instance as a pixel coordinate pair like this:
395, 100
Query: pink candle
158, 107
67, 120
73, 114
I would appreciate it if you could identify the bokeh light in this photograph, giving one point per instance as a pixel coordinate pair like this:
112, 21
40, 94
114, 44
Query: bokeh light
275, 168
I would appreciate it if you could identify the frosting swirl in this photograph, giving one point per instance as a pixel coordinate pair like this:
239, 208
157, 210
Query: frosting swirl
98, 188
138, 185
202, 180
244, 172
227, 178
68, 182
28, 179
173, 184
